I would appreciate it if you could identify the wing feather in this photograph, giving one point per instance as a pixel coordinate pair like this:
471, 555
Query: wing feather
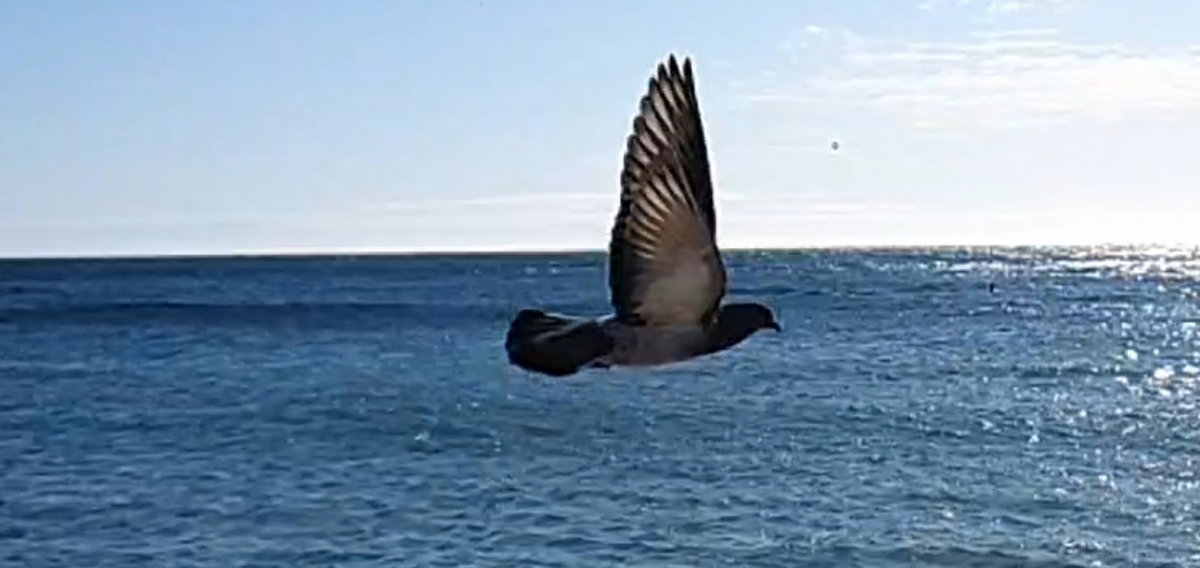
664, 265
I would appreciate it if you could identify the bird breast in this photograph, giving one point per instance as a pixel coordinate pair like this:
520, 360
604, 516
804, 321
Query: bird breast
653, 345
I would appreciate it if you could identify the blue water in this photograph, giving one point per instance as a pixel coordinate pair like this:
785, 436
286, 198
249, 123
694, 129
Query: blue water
360, 412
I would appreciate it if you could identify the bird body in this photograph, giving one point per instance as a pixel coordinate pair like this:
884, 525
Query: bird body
644, 346
666, 276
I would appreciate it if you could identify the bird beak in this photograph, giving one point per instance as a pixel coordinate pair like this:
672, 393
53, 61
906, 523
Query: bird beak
774, 326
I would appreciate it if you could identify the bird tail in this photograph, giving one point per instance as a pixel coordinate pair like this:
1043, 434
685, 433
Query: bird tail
554, 345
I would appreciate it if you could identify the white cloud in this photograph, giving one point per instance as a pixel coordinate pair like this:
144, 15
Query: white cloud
538, 201
999, 7
1008, 78
1008, 6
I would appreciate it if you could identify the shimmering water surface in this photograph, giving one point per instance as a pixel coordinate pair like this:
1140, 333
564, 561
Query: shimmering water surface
360, 412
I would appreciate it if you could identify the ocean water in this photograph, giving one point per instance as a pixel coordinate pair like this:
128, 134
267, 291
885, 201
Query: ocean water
359, 411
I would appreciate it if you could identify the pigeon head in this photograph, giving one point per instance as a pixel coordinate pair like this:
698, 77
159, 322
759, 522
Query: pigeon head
736, 322
748, 316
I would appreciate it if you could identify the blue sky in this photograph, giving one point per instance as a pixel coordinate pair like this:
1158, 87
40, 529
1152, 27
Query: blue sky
299, 126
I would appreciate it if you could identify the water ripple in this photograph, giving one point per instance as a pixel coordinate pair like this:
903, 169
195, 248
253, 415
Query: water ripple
358, 412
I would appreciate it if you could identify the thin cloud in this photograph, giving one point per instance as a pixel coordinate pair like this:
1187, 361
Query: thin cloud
1001, 7
785, 204
1010, 6
511, 199
998, 79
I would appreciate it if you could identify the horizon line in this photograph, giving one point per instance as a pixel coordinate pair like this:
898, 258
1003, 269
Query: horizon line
514, 251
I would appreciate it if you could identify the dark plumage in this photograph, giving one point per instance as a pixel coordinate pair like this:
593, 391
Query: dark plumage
666, 277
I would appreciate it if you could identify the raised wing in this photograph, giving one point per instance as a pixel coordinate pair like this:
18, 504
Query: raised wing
664, 266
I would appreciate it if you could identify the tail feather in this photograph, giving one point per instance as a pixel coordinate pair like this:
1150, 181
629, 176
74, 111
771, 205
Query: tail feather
554, 345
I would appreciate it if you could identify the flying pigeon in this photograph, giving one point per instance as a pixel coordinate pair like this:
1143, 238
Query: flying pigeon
665, 275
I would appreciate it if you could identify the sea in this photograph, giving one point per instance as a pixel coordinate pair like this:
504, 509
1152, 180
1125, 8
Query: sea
921, 407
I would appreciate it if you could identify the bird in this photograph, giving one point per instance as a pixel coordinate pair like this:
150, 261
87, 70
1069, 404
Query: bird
666, 277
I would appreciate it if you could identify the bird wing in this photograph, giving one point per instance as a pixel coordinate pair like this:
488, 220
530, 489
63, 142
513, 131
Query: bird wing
664, 265
554, 344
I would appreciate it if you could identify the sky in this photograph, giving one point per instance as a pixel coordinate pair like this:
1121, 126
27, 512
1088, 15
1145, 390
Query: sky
299, 126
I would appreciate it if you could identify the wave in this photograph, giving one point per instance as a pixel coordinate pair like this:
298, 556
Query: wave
347, 314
